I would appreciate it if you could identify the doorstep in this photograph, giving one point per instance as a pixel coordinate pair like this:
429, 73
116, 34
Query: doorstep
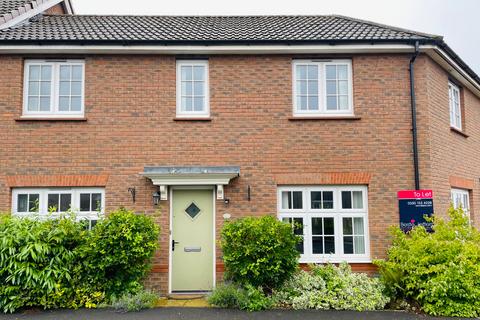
183, 301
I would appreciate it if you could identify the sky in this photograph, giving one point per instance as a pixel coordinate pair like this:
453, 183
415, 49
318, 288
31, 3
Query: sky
456, 20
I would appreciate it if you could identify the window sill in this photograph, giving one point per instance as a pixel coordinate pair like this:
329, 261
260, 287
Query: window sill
460, 132
295, 118
335, 260
25, 118
192, 119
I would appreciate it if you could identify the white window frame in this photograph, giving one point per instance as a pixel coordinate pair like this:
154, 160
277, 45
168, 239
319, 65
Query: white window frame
43, 202
464, 195
196, 114
337, 213
455, 118
55, 90
322, 89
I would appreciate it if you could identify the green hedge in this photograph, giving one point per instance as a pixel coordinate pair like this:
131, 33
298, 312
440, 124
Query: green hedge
259, 251
439, 270
57, 263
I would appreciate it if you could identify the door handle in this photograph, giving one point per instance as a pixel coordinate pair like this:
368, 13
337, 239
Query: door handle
173, 244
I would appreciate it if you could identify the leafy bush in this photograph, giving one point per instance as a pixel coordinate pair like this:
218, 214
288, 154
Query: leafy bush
37, 260
234, 296
331, 287
259, 251
440, 270
135, 302
57, 263
119, 250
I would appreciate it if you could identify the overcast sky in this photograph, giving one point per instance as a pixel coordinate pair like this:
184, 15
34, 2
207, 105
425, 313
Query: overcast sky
456, 20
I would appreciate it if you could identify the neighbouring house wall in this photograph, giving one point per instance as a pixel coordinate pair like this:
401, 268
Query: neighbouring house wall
455, 157
130, 107
56, 9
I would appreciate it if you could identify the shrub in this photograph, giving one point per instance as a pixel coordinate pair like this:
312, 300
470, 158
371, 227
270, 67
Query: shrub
330, 287
234, 296
57, 263
37, 260
135, 302
118, 252
259, 251
439, 270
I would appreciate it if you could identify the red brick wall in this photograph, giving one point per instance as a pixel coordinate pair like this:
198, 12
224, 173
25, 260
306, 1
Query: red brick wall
455, 157
130, 107
56, 9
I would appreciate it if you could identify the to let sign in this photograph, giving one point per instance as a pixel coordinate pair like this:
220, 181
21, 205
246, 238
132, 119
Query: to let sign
414, 205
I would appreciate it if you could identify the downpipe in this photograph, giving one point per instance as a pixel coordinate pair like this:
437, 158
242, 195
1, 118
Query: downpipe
414, 115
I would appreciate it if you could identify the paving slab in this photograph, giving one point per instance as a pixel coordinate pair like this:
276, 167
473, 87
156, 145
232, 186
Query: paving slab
212, 314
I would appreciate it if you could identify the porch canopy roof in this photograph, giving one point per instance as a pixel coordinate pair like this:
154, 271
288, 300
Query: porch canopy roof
191, 175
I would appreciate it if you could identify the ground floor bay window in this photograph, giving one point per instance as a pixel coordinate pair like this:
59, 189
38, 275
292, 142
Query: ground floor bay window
86, 203
332, 221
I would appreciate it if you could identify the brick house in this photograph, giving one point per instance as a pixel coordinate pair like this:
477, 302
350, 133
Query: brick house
198, 120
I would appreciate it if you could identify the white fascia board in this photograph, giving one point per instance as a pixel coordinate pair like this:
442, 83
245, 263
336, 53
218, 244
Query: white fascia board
30, 13
443, 59
214, 49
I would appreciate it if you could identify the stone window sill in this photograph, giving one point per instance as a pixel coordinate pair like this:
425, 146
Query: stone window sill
193, 119
296, 118
463, 134
51, 119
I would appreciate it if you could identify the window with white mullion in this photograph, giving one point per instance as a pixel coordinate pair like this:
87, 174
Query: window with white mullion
322, 87
334, 221
353, 235
86, 203
455, 107
323, 235
54, 88
59, 201
27, 202
192, 88
70, 88
298, 228
461, 199
337, 87
39, 87
307, 87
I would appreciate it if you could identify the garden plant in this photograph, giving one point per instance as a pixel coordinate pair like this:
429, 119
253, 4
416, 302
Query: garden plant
58, 263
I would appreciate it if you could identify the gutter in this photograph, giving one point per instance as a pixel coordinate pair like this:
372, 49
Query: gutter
414, 116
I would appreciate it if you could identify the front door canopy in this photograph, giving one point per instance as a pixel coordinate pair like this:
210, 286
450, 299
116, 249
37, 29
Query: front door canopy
192, 176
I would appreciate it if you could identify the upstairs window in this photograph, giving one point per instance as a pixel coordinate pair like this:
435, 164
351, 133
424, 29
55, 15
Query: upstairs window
322, 88
192, 88
54, 88
455, 107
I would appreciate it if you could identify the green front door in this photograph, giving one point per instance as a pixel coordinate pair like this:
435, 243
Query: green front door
192, 240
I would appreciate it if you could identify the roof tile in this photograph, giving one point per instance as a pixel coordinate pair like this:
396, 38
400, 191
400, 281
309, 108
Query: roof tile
205, 28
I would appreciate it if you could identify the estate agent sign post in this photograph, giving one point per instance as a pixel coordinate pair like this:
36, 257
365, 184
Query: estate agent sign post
414, 205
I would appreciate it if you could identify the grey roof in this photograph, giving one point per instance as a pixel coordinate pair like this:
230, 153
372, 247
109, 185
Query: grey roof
192, 170
205, 28
6, 6
202, 30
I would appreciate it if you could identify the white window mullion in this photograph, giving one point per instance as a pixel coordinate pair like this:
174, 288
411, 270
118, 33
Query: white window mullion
322, 90
55, 81
339, 235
